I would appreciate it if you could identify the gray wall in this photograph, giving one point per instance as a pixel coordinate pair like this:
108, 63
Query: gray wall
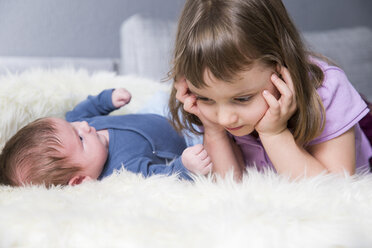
90, 28
71, 28
311, 15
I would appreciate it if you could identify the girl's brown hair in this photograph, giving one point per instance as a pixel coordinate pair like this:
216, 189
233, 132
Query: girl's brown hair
226, 36
33, 156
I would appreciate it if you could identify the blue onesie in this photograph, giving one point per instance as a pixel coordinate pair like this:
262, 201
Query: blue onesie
141, 143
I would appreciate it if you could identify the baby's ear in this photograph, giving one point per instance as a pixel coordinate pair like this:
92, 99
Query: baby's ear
78, 180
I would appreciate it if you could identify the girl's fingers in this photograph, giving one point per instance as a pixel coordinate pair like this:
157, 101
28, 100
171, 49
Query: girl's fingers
282, 87
287, 77
189, 105
274, 106
182, 90
286, 89
289, 82
181, 94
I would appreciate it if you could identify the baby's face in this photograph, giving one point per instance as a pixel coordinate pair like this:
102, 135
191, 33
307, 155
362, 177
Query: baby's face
83, 145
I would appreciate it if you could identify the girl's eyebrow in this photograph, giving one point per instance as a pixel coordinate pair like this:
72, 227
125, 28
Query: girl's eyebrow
193, 92
245, 93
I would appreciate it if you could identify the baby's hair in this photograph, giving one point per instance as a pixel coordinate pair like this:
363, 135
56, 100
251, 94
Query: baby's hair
33, 156
227, 37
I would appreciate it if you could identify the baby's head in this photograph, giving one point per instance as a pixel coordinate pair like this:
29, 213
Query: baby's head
52, 151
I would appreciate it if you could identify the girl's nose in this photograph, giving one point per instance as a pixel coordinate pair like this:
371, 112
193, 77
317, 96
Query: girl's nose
227, 117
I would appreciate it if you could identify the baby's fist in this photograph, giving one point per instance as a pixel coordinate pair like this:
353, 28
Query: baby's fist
197, 160
120, 97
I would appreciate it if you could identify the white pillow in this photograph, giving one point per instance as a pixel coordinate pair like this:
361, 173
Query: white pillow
146, 47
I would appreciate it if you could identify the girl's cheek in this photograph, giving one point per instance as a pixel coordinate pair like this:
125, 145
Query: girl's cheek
265, 107
261, 105
207, 111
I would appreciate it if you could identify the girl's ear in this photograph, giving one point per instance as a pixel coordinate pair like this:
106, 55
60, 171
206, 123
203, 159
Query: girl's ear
76, 180
278, 69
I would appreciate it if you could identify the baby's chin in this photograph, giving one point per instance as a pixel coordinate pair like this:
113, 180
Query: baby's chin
103, 140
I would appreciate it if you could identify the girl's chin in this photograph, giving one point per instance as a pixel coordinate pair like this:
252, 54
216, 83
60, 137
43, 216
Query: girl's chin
241, 132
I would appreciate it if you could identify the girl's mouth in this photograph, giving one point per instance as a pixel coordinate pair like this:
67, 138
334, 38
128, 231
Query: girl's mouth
233, 128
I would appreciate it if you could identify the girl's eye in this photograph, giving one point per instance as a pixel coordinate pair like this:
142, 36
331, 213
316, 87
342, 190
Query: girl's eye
81, 138
204, 99
243, 99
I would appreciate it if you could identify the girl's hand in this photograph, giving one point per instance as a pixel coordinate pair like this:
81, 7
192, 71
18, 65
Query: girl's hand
184, 96
276, 117
190, 105
120, 97
182, 89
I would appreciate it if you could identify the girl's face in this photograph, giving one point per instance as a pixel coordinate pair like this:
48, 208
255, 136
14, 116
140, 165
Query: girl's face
238, 105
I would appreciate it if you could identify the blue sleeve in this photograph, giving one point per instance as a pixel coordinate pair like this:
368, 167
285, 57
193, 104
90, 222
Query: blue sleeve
92, 106
146, 168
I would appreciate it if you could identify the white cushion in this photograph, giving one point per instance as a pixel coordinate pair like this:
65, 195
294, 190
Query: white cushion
146, 47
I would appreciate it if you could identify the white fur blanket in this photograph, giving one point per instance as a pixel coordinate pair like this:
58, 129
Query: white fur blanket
126, 210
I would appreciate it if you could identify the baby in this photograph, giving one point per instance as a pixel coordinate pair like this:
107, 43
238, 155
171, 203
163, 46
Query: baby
90, 145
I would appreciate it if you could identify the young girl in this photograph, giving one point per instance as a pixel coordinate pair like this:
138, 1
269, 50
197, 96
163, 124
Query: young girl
242, 72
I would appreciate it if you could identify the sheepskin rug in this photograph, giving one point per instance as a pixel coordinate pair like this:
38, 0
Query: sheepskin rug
127, 210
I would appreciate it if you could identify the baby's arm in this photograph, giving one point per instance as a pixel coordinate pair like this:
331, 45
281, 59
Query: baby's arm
147, 167
102, 104
196, 160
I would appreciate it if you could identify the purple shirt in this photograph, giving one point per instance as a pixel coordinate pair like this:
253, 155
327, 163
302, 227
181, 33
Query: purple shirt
344, 109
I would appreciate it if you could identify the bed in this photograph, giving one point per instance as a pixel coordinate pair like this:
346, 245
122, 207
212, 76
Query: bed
127, 210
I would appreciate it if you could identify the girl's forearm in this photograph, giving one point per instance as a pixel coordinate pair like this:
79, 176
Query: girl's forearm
224, 153
288, 158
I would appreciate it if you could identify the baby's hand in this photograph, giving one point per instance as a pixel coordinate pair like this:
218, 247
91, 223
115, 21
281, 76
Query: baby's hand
196, 160
280, 111
120, 97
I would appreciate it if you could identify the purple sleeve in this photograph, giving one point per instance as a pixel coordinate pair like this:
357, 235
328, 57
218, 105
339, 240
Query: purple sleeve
343, 105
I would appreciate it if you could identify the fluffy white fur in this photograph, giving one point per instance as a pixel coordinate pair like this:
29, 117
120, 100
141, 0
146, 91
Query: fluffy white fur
126, 210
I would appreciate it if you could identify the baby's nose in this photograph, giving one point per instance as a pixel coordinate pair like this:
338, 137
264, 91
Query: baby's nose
85, 126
